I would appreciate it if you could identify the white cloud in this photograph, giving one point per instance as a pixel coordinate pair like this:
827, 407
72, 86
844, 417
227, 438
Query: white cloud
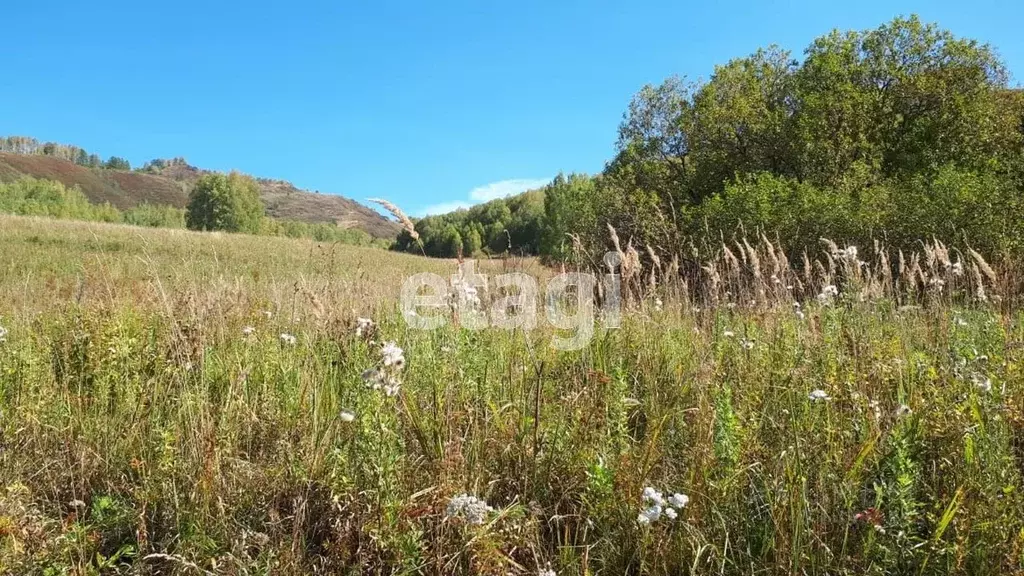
443, 208
486, 193
504, 188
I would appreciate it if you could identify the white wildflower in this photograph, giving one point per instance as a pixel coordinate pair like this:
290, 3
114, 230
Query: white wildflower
653, 496
818, 395
469, 508
392, 355
650, 514
747, 344
679, 500
728, 333
657, 304
346, 416
903, 410
3, 334
268, 314
288, 339
546, 572
655, 506
827, 293
248, 331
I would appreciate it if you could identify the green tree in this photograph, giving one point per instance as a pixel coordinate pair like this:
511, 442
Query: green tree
904, 98
116, 163
471, 242
225, 202
451, 242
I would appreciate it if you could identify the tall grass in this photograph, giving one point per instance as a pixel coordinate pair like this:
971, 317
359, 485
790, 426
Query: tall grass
155, 420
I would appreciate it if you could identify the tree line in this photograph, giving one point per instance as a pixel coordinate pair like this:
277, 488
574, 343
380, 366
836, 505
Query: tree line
499, 226
80, 156
902, 133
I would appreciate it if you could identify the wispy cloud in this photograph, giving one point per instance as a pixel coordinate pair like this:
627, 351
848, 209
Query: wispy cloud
486, 193
443, 208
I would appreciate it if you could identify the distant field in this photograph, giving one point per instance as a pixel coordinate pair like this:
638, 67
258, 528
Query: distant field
44, 263
175, 402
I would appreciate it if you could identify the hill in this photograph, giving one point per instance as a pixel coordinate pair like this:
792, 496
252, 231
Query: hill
170, 185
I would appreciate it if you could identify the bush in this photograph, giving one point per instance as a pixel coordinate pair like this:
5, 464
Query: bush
35, 197
155, 216
798, 213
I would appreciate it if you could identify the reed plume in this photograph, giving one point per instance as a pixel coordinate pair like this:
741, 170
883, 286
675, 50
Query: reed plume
395, 211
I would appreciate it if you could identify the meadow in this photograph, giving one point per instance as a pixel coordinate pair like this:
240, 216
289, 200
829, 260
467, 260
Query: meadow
175, 402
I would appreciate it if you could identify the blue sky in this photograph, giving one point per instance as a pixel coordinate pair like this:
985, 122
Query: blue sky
428, 104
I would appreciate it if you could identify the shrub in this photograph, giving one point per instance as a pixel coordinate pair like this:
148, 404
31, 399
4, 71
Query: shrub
36, 197
155, 216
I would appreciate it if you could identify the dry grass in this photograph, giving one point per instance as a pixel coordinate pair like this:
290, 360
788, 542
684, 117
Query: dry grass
155, 421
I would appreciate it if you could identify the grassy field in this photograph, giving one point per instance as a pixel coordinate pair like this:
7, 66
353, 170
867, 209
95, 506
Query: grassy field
183, 403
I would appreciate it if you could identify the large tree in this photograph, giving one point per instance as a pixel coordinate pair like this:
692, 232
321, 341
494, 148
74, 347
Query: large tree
225, 202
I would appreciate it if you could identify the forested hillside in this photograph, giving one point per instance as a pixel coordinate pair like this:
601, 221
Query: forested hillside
898, 133
167, 183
